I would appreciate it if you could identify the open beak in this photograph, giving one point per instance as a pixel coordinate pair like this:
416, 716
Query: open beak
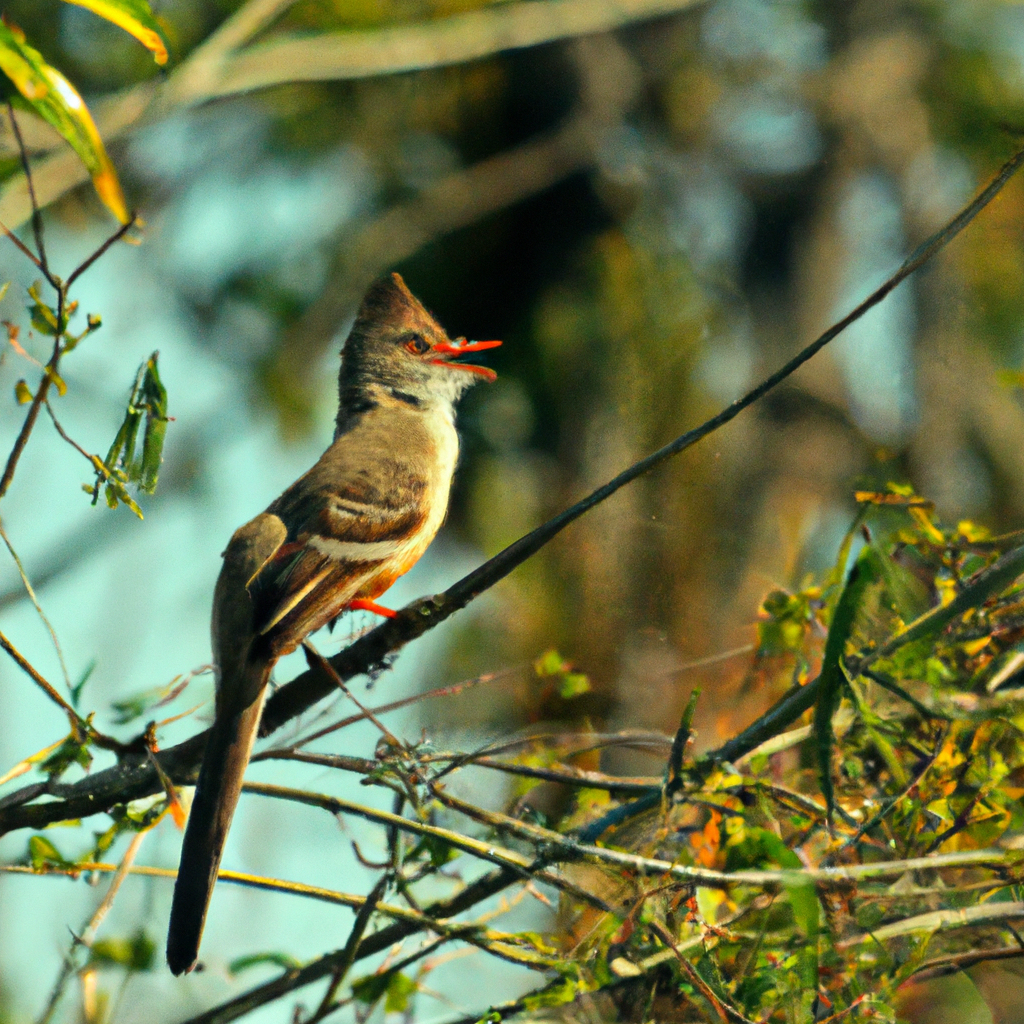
459, 347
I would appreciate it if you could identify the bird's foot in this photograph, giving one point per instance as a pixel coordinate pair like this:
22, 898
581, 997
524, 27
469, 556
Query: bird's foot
365, 605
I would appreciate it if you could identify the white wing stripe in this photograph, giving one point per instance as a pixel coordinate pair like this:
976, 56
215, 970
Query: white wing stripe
357, 509
355, 551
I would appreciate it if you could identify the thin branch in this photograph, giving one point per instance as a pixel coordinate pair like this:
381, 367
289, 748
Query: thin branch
37, 220
316, 660
33, 410
724, 1010
940, 921
133, 779
415, 619
90, 260
348, 954
263, 883
395, 705
488, 851
19, 244
461, 38
88, 933
77, 723
324, 966
941, 966
35, 602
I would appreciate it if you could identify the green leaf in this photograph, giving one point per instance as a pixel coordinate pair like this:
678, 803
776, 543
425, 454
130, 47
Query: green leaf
22, 392
146, 401
153, 399
76, 690
42, 853
864, 571
401, 989
570, 684
369, 988
283, 960
136, 953
46, 92
551, 663
136, 18
70, 752
573, 684
43, 315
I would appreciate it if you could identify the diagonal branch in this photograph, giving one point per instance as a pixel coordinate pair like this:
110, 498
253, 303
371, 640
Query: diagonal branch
134, 777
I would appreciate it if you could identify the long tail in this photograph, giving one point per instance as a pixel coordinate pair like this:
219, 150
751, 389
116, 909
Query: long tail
220, 783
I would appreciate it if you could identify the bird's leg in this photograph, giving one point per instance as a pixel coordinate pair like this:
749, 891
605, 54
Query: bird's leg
365, 605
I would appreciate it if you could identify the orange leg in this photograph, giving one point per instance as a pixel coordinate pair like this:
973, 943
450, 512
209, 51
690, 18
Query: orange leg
365, 605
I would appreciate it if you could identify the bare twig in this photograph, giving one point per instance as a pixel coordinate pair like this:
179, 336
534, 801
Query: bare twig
488, 851
85, 939
941, 920
26, 583
348, 953
322, 967
32, 415
940, 966
37, 220
90, 260
77, 723
21, 246
316, 660
724, 1010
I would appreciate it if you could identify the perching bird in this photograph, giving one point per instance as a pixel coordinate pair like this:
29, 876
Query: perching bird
334, 541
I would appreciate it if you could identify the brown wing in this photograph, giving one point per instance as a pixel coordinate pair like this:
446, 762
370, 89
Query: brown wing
346, 527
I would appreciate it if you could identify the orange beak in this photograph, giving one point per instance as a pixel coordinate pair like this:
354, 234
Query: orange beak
460, 347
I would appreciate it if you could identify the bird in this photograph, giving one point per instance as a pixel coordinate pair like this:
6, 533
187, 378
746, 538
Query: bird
334, 541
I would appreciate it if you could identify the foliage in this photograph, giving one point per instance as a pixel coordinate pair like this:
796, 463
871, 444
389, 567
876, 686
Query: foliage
820, 875
47, 93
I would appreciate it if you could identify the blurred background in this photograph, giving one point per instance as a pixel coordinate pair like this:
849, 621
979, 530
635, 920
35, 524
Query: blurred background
654, 204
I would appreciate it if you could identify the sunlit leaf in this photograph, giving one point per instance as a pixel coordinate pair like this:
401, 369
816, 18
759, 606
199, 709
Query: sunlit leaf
42, 853
25, 765
22, 392
42, 315
146, 401
136, 18
50, 95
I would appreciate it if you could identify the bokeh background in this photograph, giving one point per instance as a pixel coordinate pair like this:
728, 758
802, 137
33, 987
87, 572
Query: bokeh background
653, 205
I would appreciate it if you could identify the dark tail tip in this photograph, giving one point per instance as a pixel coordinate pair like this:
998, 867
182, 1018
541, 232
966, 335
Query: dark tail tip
188, 913
181, 964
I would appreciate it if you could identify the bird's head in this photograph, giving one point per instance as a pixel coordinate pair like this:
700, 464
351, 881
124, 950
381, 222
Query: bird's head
395, 345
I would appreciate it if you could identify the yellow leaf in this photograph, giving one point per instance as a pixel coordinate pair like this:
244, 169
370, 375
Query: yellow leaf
56, 100
23, 766
57, 380
136, 18
22, 393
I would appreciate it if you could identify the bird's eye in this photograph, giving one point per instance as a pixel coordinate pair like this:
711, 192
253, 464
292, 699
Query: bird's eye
417, 344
